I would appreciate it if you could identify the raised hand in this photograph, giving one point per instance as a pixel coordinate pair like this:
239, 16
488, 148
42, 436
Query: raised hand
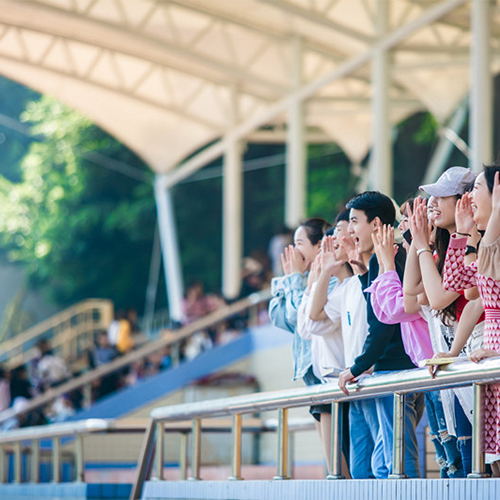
297, 262
353, 255
383, 240
495, 195
315, 271
285, 262
329, 261
464, 216
419, 223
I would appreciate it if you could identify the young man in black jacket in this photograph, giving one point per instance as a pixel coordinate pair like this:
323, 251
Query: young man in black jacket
383, 349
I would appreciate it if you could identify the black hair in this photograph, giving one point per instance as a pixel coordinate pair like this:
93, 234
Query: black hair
315, 229
374, 204
342, 216
489, 174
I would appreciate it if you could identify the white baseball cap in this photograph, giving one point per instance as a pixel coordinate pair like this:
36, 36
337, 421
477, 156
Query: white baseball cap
451, 182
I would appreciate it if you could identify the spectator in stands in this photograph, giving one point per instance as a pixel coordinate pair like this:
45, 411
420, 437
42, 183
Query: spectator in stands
102, 354
4, 390
195, 304
20, 385
51, 370
103, 351
125, 341
114, 327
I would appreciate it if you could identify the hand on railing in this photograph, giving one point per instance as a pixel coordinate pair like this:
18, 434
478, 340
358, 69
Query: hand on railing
344, 377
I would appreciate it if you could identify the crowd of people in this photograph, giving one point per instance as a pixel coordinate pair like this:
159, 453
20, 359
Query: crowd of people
359, 304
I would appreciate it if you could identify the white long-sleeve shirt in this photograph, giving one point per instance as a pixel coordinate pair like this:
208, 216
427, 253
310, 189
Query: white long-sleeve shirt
327, 349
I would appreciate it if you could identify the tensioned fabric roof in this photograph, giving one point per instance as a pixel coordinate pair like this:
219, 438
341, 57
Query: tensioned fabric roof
162, 76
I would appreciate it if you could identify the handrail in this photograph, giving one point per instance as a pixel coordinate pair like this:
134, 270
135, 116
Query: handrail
455, 374
170, 338
460, 373
15, 347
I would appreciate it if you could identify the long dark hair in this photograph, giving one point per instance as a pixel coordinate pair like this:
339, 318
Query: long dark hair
448, 315
489, 174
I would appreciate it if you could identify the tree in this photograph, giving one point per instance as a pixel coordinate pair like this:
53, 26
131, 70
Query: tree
80, 230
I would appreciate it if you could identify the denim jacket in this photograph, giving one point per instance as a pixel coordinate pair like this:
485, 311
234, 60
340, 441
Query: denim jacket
287, 296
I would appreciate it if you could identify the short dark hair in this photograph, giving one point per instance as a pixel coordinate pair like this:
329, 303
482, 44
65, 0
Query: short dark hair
342, 216
374, 204
315, 229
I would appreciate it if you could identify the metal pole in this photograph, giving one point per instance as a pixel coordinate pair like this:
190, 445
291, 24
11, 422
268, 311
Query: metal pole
170, 249
381, 155
336, 448
87, 395
184, 455
152, 288
291, 451
282, 444
196, 450
232, 224
481, 106
236, 462
296, 155
444, 147
398, 438
17, 462
80, 468
56, 460
160, 460
35, 461
3, 463
478, 467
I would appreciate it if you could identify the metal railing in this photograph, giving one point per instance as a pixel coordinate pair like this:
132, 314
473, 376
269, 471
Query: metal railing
26, 441
170, 338
70, 332
397, 384
20, 438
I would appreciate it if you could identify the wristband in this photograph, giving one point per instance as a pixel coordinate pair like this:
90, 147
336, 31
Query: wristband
470, 249
422, 250
463, 234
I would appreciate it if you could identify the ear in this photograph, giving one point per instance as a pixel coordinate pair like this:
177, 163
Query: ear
376, 222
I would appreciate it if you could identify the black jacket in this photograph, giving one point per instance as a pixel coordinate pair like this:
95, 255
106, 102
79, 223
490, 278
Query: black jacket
383, 348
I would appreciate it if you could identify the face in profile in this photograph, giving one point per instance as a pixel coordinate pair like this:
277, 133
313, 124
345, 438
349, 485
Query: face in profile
304, 246
361, 230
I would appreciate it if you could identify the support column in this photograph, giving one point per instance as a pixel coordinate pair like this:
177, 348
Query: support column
381, 155
232, 224
170, 248
445, 146
296, 154
481, 105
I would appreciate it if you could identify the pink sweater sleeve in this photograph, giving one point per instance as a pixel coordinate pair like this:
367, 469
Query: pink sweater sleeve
386, 294
387, 299
456, 275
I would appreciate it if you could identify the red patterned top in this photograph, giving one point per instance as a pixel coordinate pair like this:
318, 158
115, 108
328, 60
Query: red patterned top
457, 276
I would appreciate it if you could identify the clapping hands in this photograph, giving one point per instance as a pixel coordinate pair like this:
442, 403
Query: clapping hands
292, 261
385, 249
419, 223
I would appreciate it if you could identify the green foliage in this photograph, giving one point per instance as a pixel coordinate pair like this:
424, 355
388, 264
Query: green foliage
331, 183
79, 229
14, 137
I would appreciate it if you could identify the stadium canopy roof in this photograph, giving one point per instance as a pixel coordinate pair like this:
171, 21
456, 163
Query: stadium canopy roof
168, 77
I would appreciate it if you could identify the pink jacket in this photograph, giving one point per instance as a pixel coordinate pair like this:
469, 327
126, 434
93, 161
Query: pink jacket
386, 294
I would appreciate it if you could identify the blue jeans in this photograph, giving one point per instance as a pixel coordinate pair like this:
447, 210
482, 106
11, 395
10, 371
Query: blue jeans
448, 456
365, 440
385, 411
464, 435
